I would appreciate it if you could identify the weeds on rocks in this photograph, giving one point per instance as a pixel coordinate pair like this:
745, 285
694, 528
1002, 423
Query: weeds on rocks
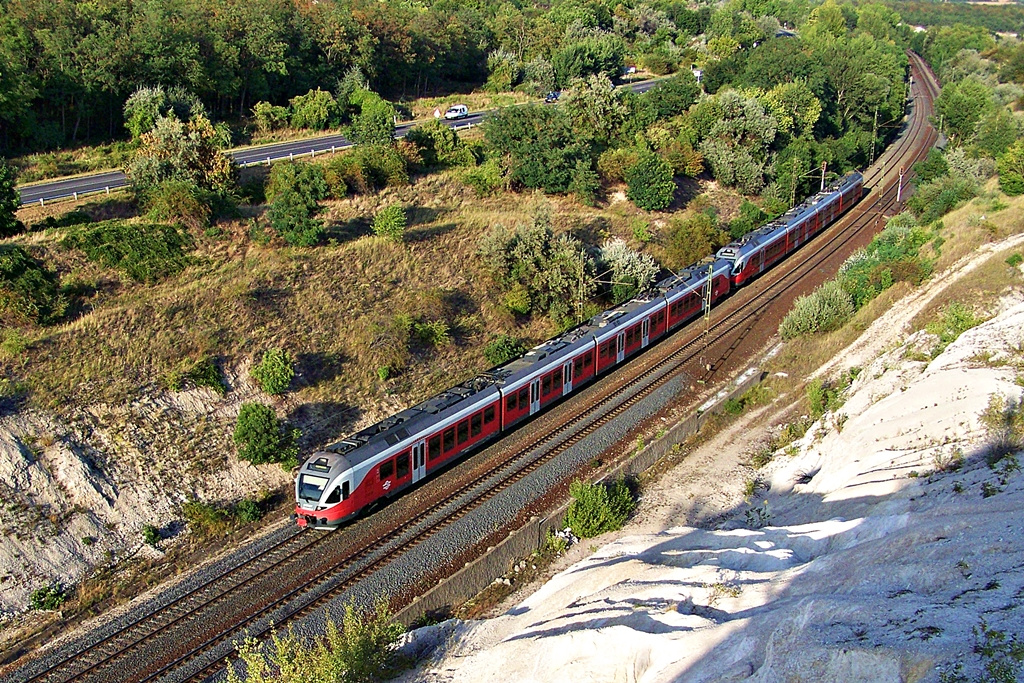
597, 508
1001, 655
48, 597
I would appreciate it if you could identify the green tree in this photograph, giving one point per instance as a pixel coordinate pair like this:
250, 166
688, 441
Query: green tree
961, 106
389, 223
649, 183
261, 437
146, 105
10, 201
187, 152
315, 110
674, 96
595, 108
538, 146
307, 180
691, 239
1011, 170
375, 122
29, 293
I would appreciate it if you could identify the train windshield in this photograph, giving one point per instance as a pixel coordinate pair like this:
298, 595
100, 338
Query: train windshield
737, 268
311, 488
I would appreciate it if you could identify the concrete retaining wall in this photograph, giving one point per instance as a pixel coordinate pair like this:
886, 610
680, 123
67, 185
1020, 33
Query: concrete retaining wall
499, 560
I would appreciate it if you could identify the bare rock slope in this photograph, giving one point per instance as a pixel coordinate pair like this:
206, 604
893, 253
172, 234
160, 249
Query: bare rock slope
872, 551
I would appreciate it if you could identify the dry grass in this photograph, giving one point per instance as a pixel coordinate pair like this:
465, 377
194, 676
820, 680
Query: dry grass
321, 304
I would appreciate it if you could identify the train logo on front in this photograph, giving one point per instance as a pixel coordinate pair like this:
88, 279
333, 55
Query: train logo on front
387, 484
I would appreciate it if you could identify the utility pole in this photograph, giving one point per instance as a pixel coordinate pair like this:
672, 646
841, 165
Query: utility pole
899, 188
708, 290
874, 135
796, 176
824, 165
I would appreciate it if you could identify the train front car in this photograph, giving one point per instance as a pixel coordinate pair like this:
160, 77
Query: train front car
323, 491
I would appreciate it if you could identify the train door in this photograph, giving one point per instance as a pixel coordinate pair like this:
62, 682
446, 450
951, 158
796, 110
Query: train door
534, 396
566, 378
419, 461
620, 347
760, 260
645, 333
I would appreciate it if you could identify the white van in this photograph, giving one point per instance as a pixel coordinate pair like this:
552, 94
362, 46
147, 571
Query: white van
457, 111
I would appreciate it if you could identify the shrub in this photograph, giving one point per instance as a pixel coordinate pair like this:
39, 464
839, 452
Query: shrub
363, 650
150, 535
439, 145
10, 201
179, 201
585, 183
144, 252
202, 373
597, 508
204, 519
1014, 260
375, 123
485, 179
1011, 170
1003, 420
937, 198
308, 180
954, 321
293, 219
47, 598
751, 217
433, 333
650, 184
613, 164
29, 293
502, 349
146, 105
826, 309
824, 396
389, 223
691, 239
269, 117
262, 438
246, 511
274, 372
316, 110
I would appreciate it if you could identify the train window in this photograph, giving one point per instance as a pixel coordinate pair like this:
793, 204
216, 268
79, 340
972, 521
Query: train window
434, 447
463, 430
475, 425
402, 466
335, 496
449, 439
545, 385
588, 360
556, 380
488, 415
344, 490
510, 402
523, 393
578, 366
311, 487
387, 469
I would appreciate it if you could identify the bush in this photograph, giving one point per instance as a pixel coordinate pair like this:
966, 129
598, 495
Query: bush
29, 293
439, 146
937, 198
691, 239
433, 333
826, 309
274, 372
10, 201
613, 164
650, 183
204, 519
315, 110
293, 219
247, 511
502, 349
485, 179
363, 650
150, 535
375, 123
585, 183
597, 508
307, 180
1011, 170
144, 252
262, 438
179, 201
47, 598
1003, 421
269, 117
202, 373
954, 321
389, 223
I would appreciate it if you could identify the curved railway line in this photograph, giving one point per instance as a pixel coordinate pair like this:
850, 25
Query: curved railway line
185, 638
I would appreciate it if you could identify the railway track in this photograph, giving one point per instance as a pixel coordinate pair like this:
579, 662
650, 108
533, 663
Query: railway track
112, 657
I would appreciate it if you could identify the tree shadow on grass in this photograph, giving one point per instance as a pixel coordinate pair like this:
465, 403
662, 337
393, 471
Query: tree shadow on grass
313, 368
346, 231
423, 234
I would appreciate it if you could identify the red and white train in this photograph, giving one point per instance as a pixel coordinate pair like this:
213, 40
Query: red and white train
378, 462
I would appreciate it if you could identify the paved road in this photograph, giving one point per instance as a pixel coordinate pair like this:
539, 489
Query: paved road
113, 180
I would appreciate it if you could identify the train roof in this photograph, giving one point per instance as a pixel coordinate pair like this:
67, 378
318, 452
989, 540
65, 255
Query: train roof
410, 423
769, 231
691, 278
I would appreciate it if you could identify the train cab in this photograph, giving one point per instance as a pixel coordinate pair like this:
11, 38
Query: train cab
323, 490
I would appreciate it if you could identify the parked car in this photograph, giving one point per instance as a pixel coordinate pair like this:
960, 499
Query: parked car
552, 97
457, 111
